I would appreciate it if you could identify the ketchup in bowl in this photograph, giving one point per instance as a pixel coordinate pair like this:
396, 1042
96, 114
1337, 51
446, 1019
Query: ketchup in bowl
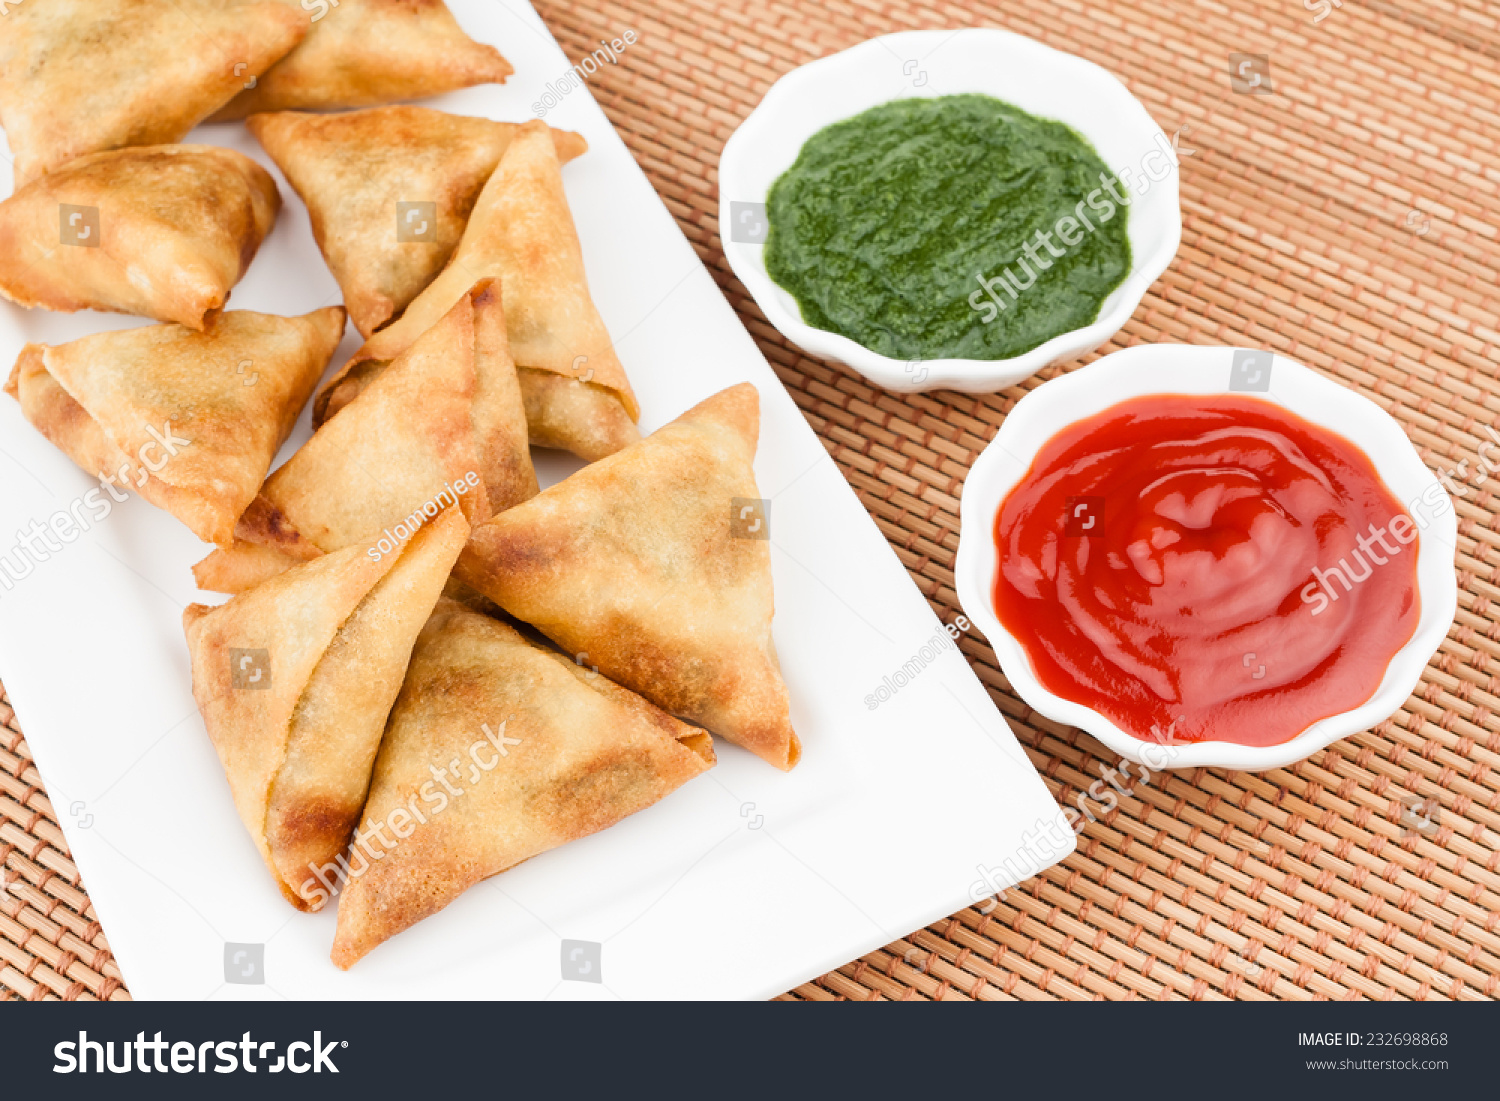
1206, 568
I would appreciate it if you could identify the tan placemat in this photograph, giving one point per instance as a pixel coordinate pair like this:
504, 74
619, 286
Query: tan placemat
1348, 220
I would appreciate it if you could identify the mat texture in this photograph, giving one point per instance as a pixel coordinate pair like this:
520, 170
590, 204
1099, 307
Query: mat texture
1348, 220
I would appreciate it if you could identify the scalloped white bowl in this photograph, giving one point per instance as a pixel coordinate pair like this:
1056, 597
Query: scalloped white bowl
1183, 369
1037, 78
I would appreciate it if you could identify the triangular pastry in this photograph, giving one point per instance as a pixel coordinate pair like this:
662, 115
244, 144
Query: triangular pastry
295, 679
79, 76
521, 232
359, 53
191, 421
160, 231
638, 561
389, 191
445, 424
542, 751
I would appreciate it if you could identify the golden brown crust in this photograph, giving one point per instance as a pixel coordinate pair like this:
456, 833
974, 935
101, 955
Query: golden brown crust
241, 566
295, 678
499, 410
520, 232
575, 416
634, 561
79, 76
174, 227
265, 544
352, 171
365, 52
415, 430
121, 404
580, 754
266, 525
449, 407
65, 423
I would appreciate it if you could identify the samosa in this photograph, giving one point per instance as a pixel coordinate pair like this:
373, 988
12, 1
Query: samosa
160, 231
389, 191
359, 53
521, 232
191, 421
80, 76
444, 424
642, 560
542, 751
295, 679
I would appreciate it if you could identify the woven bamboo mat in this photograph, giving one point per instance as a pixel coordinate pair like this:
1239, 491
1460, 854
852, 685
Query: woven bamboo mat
1349, 220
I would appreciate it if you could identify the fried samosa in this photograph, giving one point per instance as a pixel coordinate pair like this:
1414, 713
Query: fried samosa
389, 191
542, 752
213, 407
521, 232
445, 423
161, 231
295, 679
358, 53
80, 76
639, 561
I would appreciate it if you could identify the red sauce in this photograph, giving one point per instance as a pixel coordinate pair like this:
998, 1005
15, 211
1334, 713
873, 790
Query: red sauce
1206, 568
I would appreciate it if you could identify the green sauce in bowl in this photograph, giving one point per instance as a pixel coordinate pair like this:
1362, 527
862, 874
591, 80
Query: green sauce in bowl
957, 227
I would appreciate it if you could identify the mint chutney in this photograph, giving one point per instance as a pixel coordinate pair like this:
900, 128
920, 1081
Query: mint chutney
890, 226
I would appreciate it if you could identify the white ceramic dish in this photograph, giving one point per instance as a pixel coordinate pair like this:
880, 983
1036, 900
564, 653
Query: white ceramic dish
744, 883
1182, 369
1044, 81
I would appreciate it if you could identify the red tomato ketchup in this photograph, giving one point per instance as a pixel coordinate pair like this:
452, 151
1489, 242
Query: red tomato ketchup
1206, 568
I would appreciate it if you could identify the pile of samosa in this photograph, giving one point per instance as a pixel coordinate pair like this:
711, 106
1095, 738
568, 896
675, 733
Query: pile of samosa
428, 670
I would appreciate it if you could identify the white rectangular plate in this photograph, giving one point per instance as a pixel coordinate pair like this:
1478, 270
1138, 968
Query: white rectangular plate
742, 884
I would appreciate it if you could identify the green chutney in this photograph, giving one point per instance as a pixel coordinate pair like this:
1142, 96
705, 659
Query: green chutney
955, 227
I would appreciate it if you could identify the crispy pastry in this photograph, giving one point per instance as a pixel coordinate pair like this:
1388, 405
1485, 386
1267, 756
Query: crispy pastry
80, 76
444, 423
543, 752
189, 420
521, 232
635, 561
358, 53
389, 190
160, 231
295, 679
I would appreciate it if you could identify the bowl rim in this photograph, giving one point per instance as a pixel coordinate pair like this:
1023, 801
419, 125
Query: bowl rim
1147, 369
968, 375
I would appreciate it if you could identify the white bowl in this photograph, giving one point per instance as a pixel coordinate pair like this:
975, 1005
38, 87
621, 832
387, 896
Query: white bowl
1038, 79
1183, 369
